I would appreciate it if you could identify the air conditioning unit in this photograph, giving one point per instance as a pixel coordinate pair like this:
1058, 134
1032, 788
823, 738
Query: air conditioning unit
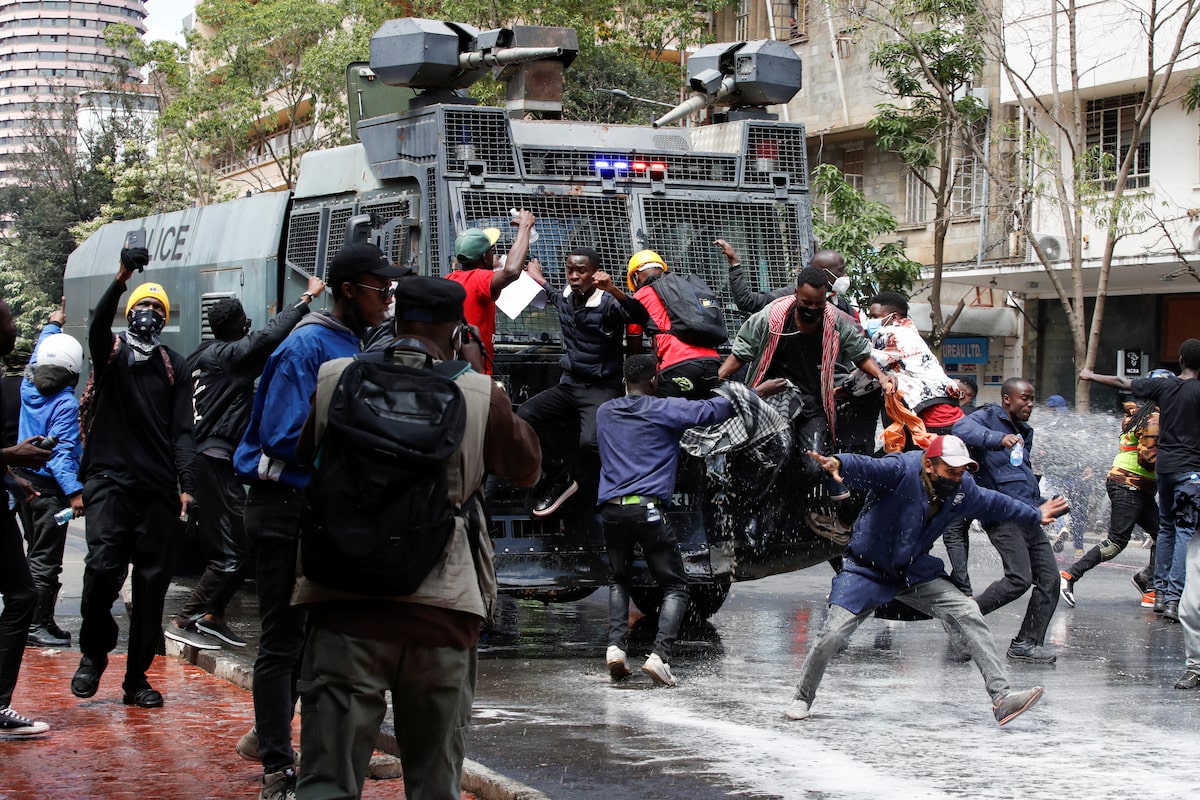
1054, 247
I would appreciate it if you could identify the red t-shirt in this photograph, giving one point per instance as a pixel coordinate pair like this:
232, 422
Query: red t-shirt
671, 350
479, 308
941, 415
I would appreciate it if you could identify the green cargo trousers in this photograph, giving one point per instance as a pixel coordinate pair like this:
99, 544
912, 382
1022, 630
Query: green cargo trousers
343, 682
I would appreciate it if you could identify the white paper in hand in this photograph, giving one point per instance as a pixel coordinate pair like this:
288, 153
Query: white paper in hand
519, 295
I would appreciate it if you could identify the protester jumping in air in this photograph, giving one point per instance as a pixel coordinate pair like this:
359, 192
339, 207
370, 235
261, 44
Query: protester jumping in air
913, 496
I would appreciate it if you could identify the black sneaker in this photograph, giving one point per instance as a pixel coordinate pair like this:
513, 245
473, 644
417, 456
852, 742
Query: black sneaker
1066, 588
1020, 650
190, 636
1171, 611
42, 636
1143, 583
219, 629
551, 493
13, 724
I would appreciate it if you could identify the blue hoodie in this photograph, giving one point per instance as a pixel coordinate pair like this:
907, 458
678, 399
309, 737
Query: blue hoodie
284, 398
55, 415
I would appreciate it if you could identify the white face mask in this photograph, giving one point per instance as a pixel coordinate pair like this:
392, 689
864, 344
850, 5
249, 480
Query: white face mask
841, 285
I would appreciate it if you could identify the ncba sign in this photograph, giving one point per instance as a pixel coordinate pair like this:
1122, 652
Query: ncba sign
969, 350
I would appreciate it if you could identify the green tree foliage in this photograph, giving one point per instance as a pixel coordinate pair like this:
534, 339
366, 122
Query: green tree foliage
932, 53
60, 182
853, 225
257, 83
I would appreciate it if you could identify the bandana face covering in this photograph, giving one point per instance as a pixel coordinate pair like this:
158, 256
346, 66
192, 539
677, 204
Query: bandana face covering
809, 314
145, 325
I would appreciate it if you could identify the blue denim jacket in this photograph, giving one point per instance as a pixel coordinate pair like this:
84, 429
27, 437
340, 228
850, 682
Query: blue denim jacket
982, 432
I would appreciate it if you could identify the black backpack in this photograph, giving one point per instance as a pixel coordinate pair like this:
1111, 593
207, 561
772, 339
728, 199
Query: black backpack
694, 311
378, 514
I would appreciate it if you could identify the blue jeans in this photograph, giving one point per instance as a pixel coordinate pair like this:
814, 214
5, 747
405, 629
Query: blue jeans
1174, 533
624, 527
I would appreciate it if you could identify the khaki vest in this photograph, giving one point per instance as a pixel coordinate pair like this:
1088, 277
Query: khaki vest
461, 581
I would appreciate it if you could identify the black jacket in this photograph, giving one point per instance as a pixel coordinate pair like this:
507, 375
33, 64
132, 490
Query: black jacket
223, 374
141, 436
593, 333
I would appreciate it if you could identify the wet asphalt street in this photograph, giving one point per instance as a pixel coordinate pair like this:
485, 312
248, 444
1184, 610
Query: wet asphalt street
895, 717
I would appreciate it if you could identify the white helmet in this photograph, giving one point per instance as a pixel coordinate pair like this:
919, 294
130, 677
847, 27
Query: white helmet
60, 350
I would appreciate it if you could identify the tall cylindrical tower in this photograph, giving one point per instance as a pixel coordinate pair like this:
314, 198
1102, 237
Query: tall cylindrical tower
49, 44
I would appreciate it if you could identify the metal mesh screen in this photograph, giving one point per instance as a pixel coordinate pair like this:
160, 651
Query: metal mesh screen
389, 210
775, 148
304, 229
768, 238
563, 222
694, 168
476, 135
431, 222
337, 231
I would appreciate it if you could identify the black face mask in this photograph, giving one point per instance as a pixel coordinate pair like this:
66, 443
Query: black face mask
146, 322
809, 314
944, 488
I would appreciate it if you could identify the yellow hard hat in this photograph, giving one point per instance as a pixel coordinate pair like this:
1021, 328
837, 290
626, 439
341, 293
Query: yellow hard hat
643, 258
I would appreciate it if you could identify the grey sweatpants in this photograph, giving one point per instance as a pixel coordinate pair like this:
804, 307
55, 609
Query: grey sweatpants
1189, 607
938, 598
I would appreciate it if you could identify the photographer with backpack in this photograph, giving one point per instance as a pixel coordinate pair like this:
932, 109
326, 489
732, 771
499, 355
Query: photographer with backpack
360, 281
686, 326
387, 611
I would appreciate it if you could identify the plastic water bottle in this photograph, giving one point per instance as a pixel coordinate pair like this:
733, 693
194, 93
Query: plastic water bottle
64, 516
1017, 455
533, 234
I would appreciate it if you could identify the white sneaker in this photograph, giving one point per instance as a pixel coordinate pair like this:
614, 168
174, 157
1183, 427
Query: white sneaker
618, 669
798, 710
658, 670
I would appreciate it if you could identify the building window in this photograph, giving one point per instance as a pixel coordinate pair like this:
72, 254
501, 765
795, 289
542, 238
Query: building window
966, 199
916, 198
741, 22
852, 166
791, 20
1110, 123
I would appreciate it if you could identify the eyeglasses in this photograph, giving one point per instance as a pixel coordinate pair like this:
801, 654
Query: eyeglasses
385, 292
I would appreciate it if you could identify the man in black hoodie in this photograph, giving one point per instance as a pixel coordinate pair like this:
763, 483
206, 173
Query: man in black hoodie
137, 479
223, 371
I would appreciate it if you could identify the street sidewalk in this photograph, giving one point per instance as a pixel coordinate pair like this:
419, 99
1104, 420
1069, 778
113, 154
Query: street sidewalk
100, 748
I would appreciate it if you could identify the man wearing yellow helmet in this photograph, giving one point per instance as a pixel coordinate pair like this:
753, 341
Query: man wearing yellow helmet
137, 479
685, 369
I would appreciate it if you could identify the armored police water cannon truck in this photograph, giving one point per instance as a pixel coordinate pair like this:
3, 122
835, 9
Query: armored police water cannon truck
439, 162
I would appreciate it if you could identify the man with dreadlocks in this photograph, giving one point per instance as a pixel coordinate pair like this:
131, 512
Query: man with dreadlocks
800, 337
1131, 487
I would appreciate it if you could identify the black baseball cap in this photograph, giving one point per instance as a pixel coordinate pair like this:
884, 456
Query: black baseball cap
360, 258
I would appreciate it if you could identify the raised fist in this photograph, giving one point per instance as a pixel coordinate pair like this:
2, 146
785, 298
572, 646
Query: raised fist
135, 258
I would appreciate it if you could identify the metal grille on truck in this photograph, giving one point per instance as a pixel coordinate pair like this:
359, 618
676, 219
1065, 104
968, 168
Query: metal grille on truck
337, 232
388, 211
434, 255
563, 222
476, 135
775, 148
690, 167
766, 237
304, 229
